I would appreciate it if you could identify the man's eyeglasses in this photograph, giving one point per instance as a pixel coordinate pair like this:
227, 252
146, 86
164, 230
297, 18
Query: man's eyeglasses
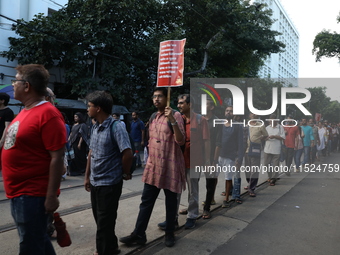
157, 96
14, 81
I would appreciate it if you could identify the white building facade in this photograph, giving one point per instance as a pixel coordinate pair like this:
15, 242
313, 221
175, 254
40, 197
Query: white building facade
284, 65
11, 10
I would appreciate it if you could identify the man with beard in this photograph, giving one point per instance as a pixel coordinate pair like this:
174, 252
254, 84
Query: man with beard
164, 169
229, 150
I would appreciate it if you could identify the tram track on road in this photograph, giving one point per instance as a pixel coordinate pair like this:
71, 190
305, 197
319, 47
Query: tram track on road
71, 210
75, 209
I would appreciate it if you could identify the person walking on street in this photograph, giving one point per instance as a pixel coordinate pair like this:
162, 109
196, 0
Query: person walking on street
37, 134
229, 151
272, 148
6, 116
291, 132
256, 134
317, 140
137, 134
108, 163
308, 141
196, 138
211, 180
164, 169
79, 143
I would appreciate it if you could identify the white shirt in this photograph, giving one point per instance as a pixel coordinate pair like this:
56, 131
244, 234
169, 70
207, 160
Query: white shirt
273, 146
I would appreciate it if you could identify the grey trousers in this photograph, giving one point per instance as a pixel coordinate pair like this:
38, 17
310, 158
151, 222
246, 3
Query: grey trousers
252, 176
273, 160
192, 182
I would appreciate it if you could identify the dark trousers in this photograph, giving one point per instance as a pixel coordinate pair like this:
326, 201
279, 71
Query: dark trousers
313, 151
104, 200
289, 157
210, 186
252, 173
149, 196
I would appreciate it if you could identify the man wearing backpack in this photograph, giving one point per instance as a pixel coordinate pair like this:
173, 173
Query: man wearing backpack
109, 162
164, 169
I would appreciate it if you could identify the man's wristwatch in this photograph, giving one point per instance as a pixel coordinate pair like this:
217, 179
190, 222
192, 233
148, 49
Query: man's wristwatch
126, 175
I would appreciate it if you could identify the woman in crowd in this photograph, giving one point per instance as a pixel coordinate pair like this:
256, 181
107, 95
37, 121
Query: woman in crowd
322, 131
79, 142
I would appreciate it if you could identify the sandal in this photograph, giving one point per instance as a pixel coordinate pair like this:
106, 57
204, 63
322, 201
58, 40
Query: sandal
227, 204
206, 215
252, 194
239, 201
183, 211
246, 188
223, 193
272, 183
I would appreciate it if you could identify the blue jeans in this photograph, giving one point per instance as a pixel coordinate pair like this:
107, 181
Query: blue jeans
31, 220
297, 157
237, 186
306, 151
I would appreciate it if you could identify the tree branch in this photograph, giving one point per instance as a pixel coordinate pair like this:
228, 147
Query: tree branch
205, 58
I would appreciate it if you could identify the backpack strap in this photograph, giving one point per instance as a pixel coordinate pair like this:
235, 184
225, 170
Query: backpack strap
112, 128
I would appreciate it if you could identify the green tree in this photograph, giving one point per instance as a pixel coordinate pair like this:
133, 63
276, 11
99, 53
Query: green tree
224, 39
327, 44
332, 112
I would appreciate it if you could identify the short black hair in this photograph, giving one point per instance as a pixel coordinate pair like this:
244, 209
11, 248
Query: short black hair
6, 97
162, 89
102, 99
116, 113
188, 99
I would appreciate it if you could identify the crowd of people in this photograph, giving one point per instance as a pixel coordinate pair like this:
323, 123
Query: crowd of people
175, 142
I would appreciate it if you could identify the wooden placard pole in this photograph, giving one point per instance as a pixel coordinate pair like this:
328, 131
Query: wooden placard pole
168, 97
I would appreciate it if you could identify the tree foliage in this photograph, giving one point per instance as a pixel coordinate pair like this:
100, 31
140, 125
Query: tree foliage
321, 103
327, 44
224, 39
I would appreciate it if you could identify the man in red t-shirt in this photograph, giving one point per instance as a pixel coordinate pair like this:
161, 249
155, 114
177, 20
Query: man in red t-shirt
32, 179
291, 131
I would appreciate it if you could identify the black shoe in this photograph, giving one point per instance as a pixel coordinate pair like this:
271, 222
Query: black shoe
191, 223
162, 225
169, 239
116, 251
133, 239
